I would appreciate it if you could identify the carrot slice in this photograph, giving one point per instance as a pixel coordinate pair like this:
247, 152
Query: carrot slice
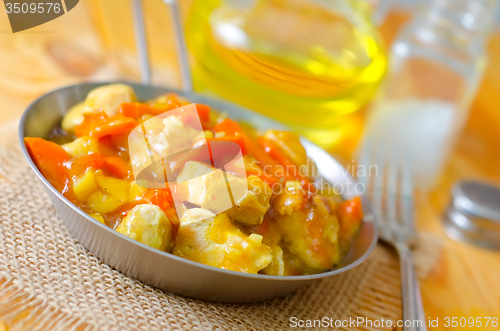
100, 125
80, 164
203, 112
90, 122
238, 139
49, 158
117, 167
137, 109
350, 214
252, 148
228, 126
114, 125
273, 151
352, 208
161, 197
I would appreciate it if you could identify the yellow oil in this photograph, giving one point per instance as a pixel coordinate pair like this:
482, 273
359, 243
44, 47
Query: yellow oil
305, 65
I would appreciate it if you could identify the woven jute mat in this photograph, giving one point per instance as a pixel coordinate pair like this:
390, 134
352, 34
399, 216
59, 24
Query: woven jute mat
49, 281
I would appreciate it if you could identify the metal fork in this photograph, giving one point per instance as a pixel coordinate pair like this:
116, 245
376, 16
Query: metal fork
390, 190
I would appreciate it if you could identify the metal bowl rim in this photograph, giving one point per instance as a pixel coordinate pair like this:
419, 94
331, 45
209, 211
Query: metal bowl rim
22, 125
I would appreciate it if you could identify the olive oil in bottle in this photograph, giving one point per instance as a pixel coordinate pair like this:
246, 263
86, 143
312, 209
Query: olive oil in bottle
307, 63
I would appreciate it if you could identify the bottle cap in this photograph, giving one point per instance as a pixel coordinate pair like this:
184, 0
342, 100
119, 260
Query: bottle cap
474, 214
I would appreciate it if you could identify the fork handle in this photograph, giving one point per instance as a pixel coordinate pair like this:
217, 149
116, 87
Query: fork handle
410, 292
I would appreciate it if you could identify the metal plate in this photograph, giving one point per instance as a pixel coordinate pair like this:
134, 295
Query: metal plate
166, 271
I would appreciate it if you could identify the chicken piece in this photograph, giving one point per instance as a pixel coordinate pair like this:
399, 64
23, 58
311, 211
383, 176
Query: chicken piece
277, 265
207, 188
250, 209
148, 224
139, 160
215, 241
311, 233
82, 146
73, 117
294, 266
193, 169
210, 191
174, 137
272, 237
108, 98
195, 215
291, 199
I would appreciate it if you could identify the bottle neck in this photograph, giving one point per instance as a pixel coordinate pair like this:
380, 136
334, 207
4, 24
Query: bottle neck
462, 25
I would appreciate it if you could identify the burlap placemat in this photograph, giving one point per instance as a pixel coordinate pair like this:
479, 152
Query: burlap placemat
48, 281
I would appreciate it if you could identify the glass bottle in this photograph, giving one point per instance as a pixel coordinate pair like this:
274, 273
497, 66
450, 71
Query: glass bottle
436, 65
307, 63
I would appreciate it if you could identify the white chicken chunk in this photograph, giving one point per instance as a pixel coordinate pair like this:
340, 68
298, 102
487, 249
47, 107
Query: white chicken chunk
250, 208
207, 188
208, 191
82, 146
108, 98
149, 225
291, 199
215, 241
175, 136
193, 169
311, 233
73, 117
195, 215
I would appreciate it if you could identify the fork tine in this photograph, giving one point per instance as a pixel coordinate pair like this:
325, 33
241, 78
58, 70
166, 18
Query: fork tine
380, 159
364, 156
391, 197
406, 196
395, 165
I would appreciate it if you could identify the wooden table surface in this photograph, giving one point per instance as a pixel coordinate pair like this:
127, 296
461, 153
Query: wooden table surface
465, 281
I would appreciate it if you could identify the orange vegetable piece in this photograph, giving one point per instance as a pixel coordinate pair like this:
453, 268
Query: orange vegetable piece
203, 112
49, 158
117, 167
90, 122
110, 145
80, 164
161, 197
252, 148
350, 214
115, 125
239, 139
228, 126
137, 109
173, 101
273, 151
99, 125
